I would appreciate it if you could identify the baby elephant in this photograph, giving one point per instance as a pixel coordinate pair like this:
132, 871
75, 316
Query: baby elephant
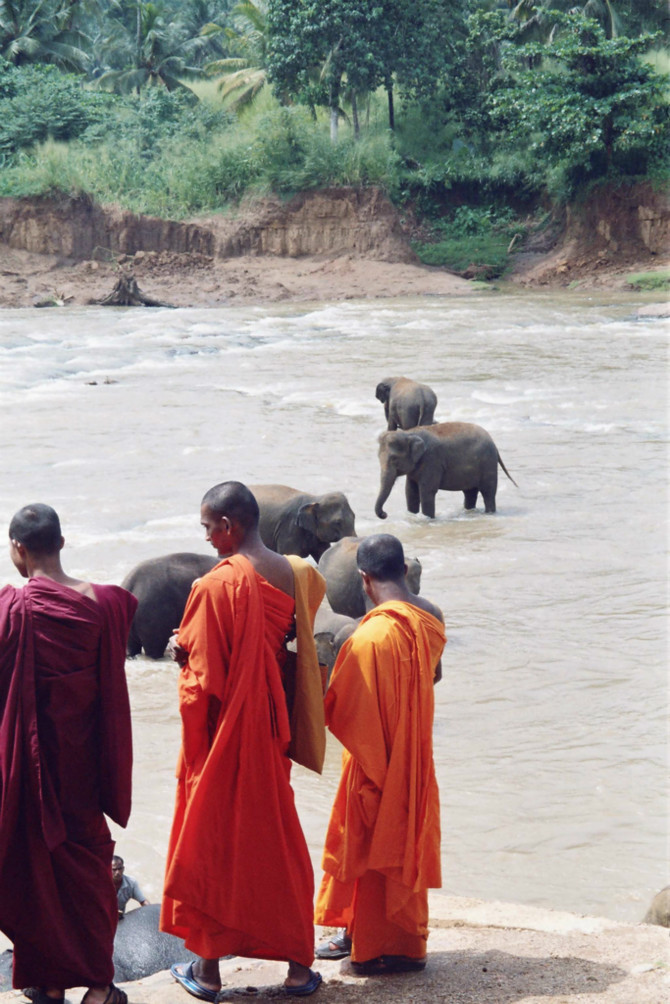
161, 586
331, 630
406, 403
344, 588
295, 522
453, 456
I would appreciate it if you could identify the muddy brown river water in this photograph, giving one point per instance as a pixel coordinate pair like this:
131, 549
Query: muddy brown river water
551, 720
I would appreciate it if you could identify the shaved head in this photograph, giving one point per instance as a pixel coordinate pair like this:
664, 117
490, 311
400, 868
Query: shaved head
234, 500
37, 527
381, 556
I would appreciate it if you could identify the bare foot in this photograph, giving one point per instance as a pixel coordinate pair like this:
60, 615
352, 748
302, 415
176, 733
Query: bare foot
298, 975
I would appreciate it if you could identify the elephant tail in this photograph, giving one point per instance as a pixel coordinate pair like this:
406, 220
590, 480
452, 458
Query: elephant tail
506, 471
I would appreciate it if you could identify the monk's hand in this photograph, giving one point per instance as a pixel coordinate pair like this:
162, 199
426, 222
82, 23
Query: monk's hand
175, 651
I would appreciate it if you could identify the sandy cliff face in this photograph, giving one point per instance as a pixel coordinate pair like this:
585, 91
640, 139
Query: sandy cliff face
615, 229
331, 222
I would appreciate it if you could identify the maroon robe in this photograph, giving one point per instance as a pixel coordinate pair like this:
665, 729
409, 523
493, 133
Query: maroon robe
65, 760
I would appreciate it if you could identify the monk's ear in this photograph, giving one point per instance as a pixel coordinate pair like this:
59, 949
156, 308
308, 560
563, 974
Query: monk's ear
62, 544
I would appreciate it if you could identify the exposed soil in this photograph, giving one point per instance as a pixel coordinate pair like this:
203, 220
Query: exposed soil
327, 245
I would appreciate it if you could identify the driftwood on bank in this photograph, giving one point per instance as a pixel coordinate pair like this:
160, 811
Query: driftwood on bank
127, 293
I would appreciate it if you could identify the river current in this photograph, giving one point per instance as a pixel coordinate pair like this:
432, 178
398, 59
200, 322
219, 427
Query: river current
551, 736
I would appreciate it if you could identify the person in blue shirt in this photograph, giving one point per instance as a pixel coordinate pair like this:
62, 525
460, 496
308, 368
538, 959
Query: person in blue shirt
126, 887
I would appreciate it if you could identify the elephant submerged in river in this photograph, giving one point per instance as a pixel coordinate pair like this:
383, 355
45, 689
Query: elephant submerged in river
344, 587
295, 522
406, 402
161, 586
452, 456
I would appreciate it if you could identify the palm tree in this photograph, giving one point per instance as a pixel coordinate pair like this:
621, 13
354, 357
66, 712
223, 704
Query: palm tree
537, 27
244, 75
156, 53
41, 32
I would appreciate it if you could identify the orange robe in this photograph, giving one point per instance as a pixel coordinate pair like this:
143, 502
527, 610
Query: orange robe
382, 850
239, 878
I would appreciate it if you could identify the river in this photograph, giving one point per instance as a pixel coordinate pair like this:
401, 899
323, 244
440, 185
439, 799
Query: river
550, 727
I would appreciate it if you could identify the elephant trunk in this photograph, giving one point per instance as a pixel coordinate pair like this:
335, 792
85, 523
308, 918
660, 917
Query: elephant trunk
388, 480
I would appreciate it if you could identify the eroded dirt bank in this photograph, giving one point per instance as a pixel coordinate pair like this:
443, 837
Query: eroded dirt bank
326, 245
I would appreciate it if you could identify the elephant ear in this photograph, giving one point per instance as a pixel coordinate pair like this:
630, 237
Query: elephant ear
416, 448
308, 517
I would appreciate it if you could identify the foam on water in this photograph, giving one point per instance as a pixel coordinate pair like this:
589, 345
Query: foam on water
550, 745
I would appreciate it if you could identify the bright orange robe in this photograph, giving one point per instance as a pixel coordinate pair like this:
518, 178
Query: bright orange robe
239, 878
382, 849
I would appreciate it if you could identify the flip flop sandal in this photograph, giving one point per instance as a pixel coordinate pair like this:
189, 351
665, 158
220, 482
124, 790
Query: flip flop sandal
371, 967
306, 989
403, 964
385, 964
342, 948
114, 996
39, 996
183, 973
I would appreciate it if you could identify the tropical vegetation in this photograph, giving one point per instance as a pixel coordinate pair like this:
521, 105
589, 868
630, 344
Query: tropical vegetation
471, 114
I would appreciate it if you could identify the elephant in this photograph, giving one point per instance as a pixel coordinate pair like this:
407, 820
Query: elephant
406, 402
344, 589
659, 910
295, 522
454, 456
140, 949
161, 586
331, 630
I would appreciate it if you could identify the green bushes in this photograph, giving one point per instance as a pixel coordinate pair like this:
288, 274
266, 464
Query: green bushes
159, 156
40, 102
472, 236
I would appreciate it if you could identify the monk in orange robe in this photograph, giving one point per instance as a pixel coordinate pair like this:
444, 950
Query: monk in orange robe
239, 879
382, 850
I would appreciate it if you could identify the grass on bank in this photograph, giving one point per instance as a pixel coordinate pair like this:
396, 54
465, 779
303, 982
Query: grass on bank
473, 237
659, 280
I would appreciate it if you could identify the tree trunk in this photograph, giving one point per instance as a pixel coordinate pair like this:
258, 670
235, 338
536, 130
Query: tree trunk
127, 293
333, 125
354, 115
334, 102
389, 91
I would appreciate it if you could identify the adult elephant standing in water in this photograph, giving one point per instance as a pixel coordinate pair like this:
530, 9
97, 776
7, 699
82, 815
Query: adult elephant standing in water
406, 402
453, 456
295, 522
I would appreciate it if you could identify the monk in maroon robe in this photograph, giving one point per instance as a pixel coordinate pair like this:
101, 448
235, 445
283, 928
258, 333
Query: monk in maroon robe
65, 761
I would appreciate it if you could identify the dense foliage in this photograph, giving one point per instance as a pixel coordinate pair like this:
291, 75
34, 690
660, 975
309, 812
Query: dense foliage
469, 110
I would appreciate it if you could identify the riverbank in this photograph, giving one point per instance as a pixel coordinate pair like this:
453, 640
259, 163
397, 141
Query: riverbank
319, 246
479, 953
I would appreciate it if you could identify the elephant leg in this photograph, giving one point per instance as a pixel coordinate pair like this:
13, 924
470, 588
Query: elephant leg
412, 495
427, 501
134, 645
488, 490
470, 498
